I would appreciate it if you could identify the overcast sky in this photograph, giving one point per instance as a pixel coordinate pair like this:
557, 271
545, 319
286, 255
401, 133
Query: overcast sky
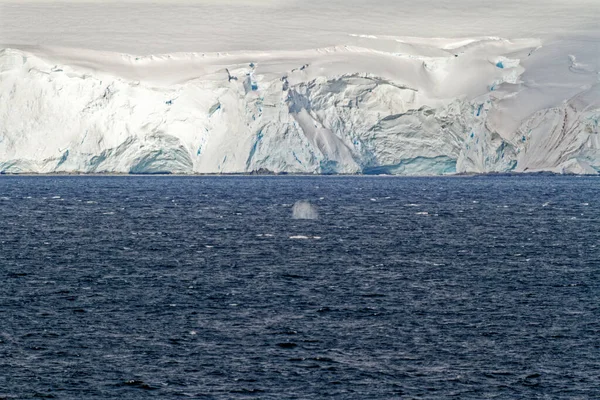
160, 26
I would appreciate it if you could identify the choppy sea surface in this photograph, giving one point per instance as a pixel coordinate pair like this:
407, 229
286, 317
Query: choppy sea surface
206, 287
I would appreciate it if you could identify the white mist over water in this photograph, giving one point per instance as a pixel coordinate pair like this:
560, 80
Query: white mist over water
304, 210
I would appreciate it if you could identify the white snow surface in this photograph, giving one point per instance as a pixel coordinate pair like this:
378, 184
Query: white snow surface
433, 96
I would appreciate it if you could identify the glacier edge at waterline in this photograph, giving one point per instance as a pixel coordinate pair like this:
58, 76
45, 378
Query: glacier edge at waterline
382, 106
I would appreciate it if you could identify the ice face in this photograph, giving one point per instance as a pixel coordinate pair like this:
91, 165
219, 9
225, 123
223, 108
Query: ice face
420, 107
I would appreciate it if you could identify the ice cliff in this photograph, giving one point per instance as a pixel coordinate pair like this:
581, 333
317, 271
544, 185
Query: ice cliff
381, 106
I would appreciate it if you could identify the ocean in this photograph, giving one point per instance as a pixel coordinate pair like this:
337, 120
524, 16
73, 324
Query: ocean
135, 287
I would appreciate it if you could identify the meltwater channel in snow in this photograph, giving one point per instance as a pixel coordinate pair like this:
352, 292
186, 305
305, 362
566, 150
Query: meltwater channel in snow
459, 87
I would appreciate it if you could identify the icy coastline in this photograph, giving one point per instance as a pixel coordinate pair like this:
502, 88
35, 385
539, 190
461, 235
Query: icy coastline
383, 105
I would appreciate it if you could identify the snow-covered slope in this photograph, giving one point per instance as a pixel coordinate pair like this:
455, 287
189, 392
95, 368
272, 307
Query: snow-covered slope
405, 104
383, 105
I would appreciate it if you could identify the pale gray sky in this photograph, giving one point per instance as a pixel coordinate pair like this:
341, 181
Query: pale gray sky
142, 27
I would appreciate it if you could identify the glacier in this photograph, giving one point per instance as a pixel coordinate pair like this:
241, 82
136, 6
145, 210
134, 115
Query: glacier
380, 105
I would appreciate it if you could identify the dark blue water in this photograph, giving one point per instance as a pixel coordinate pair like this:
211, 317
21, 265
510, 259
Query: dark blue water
138, 287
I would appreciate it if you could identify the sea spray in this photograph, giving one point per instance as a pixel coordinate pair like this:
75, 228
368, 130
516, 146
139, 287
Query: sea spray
304, 210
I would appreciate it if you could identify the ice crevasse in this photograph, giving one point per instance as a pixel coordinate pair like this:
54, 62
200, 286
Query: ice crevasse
381, 106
